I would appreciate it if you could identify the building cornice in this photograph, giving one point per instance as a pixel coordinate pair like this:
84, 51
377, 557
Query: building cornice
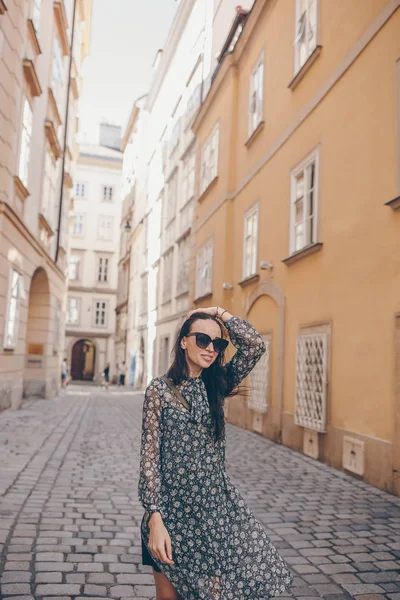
176, 31
9, 213
87, 334
92, 290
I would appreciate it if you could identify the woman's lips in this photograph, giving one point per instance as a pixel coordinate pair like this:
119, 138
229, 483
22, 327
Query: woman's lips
207, 358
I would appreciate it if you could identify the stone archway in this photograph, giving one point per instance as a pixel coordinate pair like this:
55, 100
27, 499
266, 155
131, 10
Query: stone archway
271, 289
38, 337
83, 360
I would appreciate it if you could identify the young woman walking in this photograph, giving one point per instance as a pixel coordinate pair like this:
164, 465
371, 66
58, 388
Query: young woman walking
199, 536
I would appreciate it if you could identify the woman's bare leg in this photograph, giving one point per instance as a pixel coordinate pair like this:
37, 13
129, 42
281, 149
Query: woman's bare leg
164, 588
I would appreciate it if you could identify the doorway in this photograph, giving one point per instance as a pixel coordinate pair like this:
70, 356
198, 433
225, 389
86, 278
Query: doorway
83, 360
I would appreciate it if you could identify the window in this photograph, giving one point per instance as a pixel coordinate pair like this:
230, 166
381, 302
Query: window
106, 224
304, 204
102, 270
37, 5
100, 310
305, 40
204, 269
183, 271
250, 242
78, 226
73, 311
57, 78
81, 189
256, 95
260, 380
311, 380
172, 197
175, 135
49, 187
15, 292
74, 267
209, 159
189, 171
144, 294
107, 194
168, 266
26, 137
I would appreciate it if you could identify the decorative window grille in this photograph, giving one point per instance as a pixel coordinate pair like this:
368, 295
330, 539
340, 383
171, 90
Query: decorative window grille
311, 381
204, 269
304, 204
102, 273
78, 226
15, 292
100, 312
250, 242
106, 224
74, 265
256, 96
73, 311
25, 149
305, 40
108, 193
81, 189
209, 159
260, 379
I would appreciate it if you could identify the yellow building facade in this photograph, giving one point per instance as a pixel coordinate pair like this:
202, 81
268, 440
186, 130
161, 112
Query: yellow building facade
297, 229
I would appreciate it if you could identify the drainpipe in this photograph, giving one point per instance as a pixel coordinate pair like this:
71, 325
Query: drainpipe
60, 206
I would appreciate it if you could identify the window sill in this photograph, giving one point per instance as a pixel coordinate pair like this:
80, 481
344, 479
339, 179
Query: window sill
20, 189
3, 7
207, 189
255, 134
394, 204
203, 297
52, 138
183, 234
182, 293
249, 280
305, 68
311, 249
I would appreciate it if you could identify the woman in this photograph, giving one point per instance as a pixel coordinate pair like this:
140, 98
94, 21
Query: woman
197, 532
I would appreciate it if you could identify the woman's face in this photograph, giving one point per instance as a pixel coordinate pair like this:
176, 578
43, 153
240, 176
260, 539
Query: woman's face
199, 357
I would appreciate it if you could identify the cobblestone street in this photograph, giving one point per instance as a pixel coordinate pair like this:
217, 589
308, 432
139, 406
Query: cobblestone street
69, 514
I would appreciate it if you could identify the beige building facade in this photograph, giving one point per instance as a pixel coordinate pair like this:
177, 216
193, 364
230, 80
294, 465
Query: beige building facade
93, 258
41, 53
297, 198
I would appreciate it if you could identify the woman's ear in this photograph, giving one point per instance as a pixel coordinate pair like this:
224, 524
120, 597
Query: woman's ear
183, 343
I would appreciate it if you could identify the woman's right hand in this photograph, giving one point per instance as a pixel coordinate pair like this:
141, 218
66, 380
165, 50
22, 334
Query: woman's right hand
159, 541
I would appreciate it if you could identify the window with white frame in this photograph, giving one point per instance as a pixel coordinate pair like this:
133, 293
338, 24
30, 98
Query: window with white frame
306, 31
311, 380
107, 193
172, 197
256, 95
260, 379
74, 267
167, 279
78, 225
175, 135
106, 224
209, 159
304, 204
81, 189
49, 187
73, 311
36, 10
57, 78
189, 173
11, 326
26, 138
103, 269
100, 313
204, 269
250, 241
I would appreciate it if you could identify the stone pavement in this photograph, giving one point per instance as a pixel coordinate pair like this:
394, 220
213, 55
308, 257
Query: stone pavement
69, 513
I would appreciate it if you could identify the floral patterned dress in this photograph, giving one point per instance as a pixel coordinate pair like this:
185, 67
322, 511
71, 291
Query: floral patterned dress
220, 550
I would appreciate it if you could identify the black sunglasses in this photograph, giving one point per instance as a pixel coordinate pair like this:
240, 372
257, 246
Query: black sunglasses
203, 340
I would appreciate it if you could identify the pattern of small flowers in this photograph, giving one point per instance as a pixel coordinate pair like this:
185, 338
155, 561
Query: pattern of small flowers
220, 550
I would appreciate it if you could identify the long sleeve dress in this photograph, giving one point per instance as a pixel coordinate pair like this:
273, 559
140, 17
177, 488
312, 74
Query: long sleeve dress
220, 550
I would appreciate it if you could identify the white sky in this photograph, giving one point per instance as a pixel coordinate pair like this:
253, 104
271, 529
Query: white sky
124, 42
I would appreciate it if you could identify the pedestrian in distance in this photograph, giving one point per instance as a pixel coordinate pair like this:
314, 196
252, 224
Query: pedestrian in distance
197, 532
64, 373
105, 382
121, 370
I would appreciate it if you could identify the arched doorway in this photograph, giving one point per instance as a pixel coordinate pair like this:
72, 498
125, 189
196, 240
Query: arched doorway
83, 360
37, 337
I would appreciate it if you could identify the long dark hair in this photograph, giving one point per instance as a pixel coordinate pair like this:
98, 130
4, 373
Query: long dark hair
216, 379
